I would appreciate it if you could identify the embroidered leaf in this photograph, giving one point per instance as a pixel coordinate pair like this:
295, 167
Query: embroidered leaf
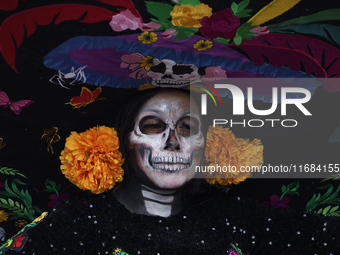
51, 186
185, 32
240, 9
332, 14
327, 198
11, 171
16, 27
334, 209
191, 2
291, 189
159, 10
222, 40
24, 196
335, 177
238, 39
335, 137
244, 32
165, 24
15, 207
243, 5
297, 52
328, 33
328, 211
234, 7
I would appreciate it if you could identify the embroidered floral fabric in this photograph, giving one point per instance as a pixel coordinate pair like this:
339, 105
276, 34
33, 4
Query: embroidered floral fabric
69, 67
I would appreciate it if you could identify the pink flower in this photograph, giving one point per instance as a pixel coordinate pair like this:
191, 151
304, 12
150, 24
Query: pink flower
275, 201
133, 62
126, 20
55, 200
260, 30
221, 24
169, 33
214, 72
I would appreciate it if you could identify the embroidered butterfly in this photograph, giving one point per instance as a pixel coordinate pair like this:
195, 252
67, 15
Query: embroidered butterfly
86, 97
50, 135
16, 106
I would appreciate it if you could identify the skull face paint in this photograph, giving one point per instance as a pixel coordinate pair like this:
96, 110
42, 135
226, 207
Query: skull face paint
167, 141
167, 73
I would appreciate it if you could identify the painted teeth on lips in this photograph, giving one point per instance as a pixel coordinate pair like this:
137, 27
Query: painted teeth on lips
171, 159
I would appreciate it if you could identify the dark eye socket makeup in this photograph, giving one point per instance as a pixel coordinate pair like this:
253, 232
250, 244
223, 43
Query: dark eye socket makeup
186, 126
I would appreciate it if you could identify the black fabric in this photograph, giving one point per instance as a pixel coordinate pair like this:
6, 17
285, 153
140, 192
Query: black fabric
209, 223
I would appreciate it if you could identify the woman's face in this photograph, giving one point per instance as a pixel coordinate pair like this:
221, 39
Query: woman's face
167, 142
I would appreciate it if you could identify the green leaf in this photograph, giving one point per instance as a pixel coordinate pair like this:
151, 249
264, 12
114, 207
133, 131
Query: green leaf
293, 186
185, 32
159, 10
238, 39
222, 40
283, 189
320, 211
11, 202
191, 2
331, 14
335, 177
165, 24
243, 4
334, 209
327, 198
234, 8
11, 171
325, 211
244, 13
244, 32
4, 201
335, 137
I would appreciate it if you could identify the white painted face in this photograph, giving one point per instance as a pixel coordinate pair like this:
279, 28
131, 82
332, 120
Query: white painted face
167, 142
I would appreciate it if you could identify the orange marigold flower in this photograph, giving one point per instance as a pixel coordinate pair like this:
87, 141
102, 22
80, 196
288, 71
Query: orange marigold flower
189, 16
224, 149
91, 160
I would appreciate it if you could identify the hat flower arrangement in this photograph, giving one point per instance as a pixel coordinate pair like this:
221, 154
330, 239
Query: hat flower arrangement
189, 17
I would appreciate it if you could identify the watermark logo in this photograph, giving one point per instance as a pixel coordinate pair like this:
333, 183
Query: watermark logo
282, 98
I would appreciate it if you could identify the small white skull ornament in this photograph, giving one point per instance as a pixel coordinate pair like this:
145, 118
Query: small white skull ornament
167, 73
167, 141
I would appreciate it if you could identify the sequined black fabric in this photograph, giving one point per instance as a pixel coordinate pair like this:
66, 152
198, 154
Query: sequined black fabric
98, 224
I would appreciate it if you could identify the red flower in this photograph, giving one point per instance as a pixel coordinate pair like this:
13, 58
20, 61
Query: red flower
275, 201
18, 241
221, 24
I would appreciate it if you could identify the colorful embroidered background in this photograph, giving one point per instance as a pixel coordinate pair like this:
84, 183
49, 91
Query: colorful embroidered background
42, 100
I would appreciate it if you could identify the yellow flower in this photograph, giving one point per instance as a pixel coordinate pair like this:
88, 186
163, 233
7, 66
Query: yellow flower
43, 215
147, 38
147, 63
91, 160
203, 45
20, 223
223, 149
189, 16
3, 216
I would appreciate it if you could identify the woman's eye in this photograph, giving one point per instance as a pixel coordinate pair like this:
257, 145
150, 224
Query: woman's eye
187, 127
151, 125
